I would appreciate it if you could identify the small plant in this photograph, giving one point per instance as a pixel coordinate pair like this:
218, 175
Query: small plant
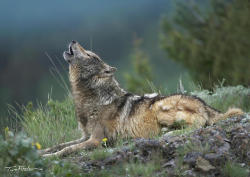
99, 154
234, 170
104, 142
184, 131
64, 168
140, 169
179, 125
192, 146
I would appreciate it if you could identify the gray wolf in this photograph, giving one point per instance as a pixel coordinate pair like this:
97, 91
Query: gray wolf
105, 110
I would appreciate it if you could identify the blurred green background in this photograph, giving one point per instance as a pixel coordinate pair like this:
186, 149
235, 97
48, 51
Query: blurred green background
30, 29
174, 41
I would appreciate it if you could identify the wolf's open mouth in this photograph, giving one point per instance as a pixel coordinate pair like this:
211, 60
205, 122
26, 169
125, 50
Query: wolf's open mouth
70, 50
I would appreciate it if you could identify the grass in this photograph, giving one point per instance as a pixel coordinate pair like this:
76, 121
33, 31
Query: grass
133, 169
140, 169
234, 170
193, 147
99, 154
224, 97
51, 124
184, 150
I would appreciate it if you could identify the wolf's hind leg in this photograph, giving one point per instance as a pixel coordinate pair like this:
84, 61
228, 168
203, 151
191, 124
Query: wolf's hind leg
181, 108
189, 119
61, 146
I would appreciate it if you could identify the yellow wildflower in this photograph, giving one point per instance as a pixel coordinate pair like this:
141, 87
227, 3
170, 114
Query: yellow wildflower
38, 146
6, 129
7, 132
105, 140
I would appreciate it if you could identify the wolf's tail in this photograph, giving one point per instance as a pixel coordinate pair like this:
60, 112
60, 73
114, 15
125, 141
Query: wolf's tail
231, 112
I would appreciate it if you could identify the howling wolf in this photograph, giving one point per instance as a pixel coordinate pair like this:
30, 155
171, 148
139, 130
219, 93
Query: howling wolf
105, 110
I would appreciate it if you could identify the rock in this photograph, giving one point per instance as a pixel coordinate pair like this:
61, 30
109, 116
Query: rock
112, 160
217, 159
191, 158
164, 129
240, 142
169, 164
189, 173
202, 152
203, 164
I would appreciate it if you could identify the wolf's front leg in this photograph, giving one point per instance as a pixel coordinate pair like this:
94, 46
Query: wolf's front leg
61, 146
90, 143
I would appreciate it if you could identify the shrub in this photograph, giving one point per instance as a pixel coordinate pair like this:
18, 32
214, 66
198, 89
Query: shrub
212, 42
224, 97
19, 155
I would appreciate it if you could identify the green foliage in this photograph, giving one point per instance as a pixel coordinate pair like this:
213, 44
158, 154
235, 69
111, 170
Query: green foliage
139, 81
223, 98
212, 46
181, 151
193, 147
140, 169
19, 157
182, 124
99, 154
133, 169
63, 168
234, 170
19, 153
51, 124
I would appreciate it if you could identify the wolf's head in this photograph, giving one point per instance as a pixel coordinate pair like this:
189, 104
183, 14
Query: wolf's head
85, 66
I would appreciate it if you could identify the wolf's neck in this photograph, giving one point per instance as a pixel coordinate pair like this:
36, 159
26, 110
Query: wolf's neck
106, 95
98, 96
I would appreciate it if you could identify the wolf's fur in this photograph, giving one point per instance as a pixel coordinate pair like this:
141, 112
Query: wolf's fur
104, 110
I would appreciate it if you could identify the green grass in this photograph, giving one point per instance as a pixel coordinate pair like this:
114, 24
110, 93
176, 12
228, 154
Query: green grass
234, 170
140, 169
99, 154
224, 97
133, 169
51, 124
